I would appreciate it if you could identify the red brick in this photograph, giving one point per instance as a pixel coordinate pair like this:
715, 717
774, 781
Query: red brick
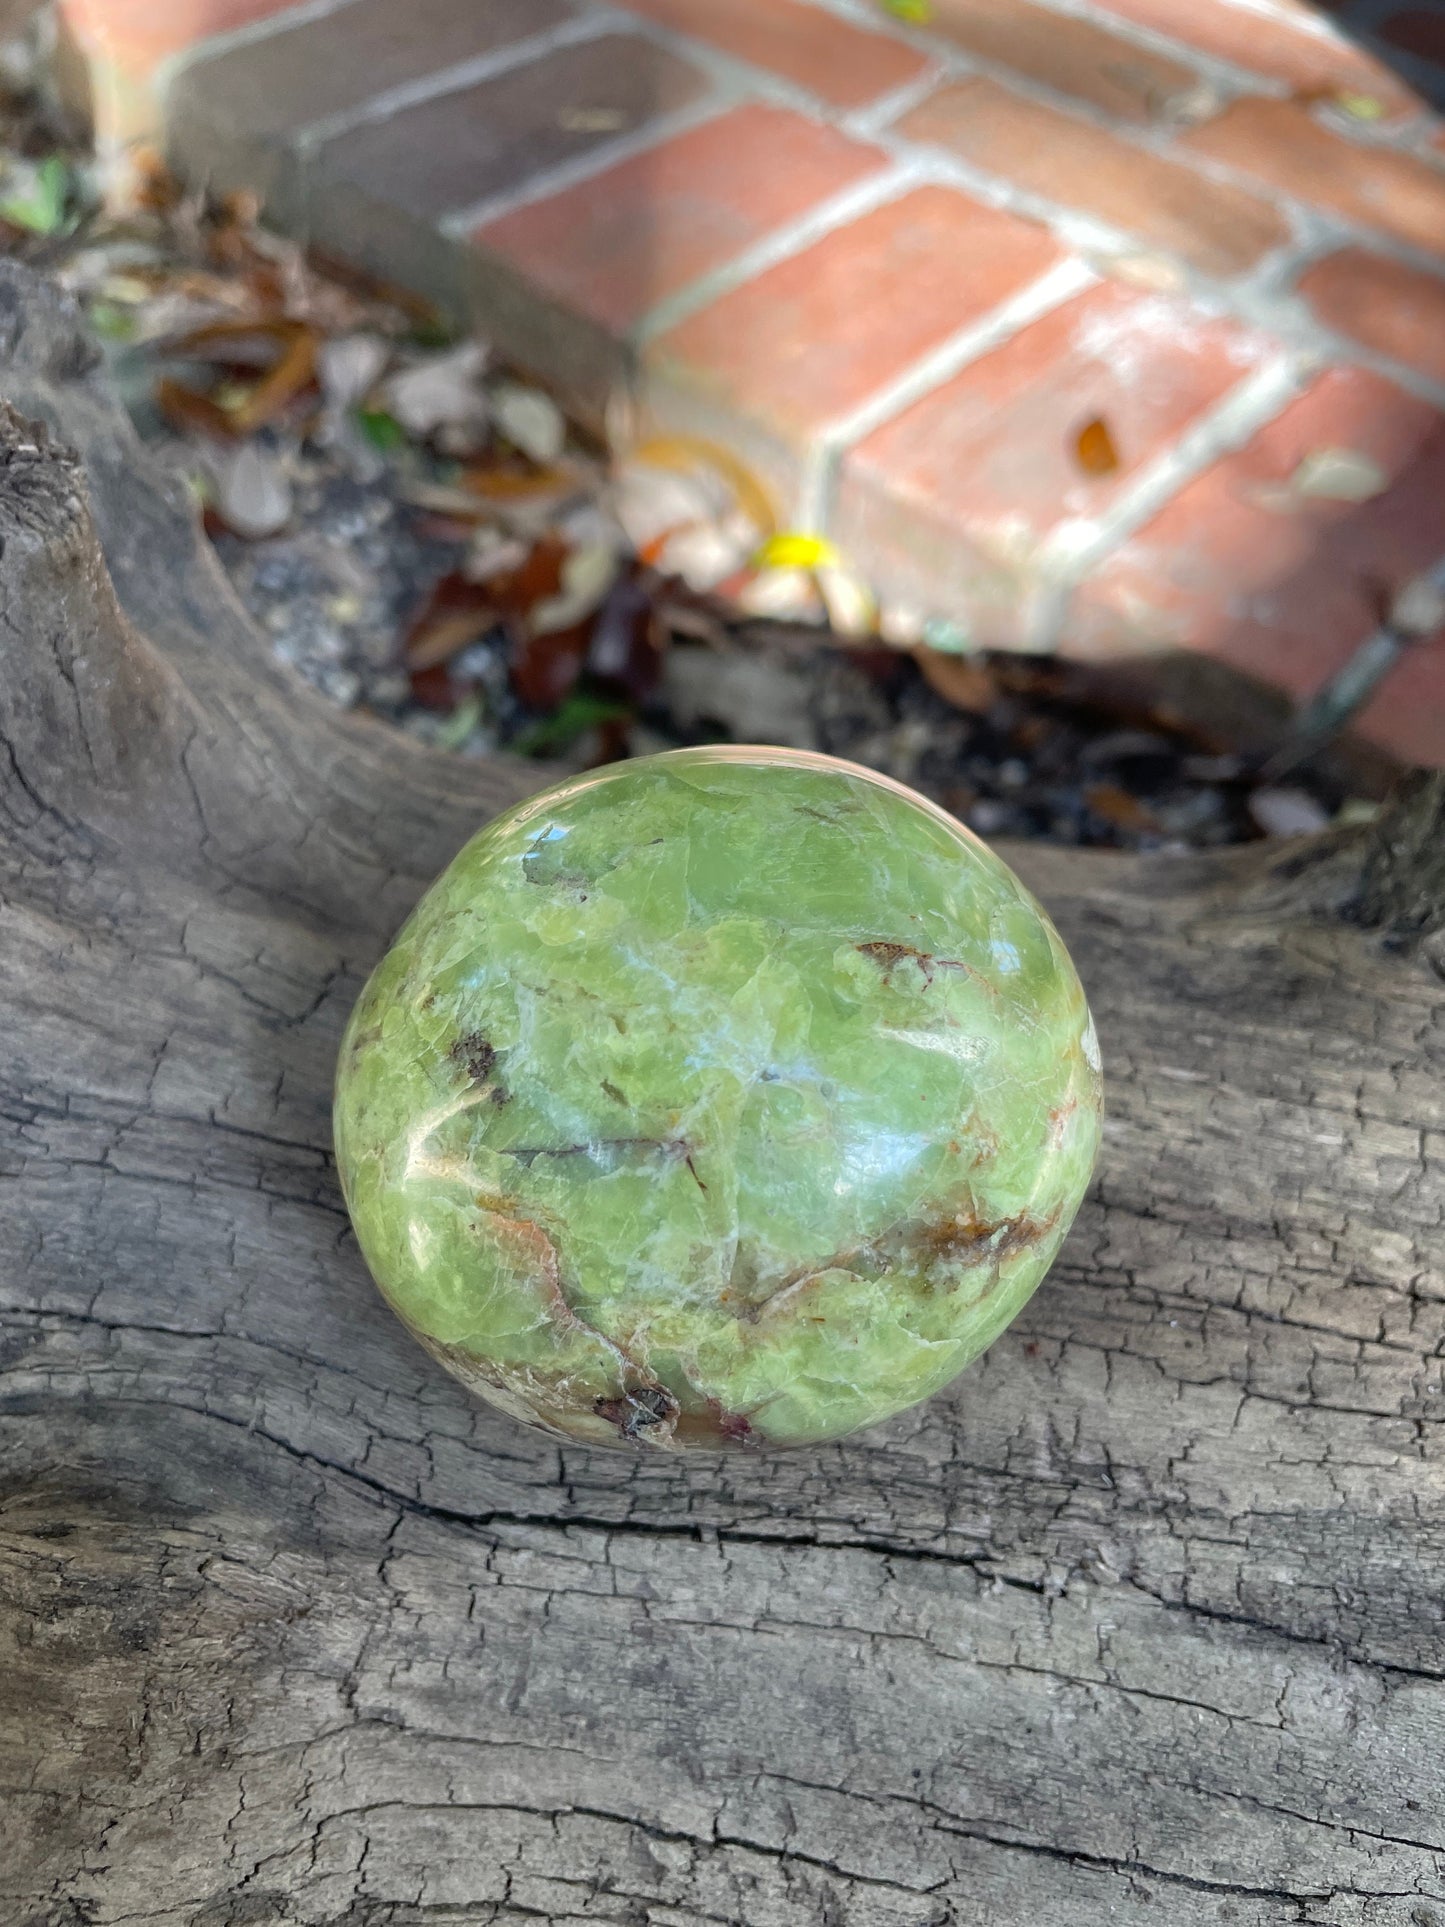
1384, 304
1285, 588
1278, 141
1416, 31
841, 63
615, 245
138, 34
1307, 62
817, 335
457, 148
958, 492
338, 61
1217, 228
1305, 10
1407, 715
1071, 55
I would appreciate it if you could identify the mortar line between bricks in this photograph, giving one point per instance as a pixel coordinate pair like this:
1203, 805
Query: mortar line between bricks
1181, 48
1342, 351
1229, 424
1230, 80
200, 51
1222, 74
823, 218
949, 62
1268, 295
956, 65
1264, 297
730, 69
1375, 137
1416, 139
866, 12
1311, 25
1312, 31
1150, 138
866, 123
860, 123
1308, 221
1073, 549
1261, 298
454, 79
460, 224
1050, 290
734, 81
1072, 228
1311, 219
1314, 230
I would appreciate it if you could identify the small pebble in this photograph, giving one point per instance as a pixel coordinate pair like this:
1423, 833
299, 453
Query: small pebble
988, 816
1287, 812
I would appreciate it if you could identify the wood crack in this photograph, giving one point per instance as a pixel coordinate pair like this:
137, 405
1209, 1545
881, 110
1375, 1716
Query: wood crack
259, 1567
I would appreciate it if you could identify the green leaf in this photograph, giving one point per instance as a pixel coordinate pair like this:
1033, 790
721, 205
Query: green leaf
917, 12
460, 724
580, 712
383, 431
41, 209
111, 320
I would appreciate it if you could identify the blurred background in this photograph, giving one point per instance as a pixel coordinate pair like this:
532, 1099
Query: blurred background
1044, 403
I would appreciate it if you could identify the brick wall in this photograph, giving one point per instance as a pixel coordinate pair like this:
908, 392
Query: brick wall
899, 268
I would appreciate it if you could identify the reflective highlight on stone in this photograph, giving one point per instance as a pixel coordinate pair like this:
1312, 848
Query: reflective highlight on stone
721, 1098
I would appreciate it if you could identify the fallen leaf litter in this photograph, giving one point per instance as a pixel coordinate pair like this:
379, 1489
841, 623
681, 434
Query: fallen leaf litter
422, 532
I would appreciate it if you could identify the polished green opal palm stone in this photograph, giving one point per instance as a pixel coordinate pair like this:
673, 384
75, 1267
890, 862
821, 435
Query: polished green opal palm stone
721, 1098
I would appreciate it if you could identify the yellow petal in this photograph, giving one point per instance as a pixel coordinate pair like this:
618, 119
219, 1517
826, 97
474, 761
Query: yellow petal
794, 550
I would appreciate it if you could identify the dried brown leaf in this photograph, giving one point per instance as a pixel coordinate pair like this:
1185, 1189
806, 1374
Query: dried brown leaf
293, 373
434, 688
250, 341
539, 577
285, 349
963, 681
629, 636
455, 612
500, 482
545, 668
191, 413
1094, 448
1119, 807
446, 634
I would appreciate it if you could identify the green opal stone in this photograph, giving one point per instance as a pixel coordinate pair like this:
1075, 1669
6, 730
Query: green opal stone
721, 1098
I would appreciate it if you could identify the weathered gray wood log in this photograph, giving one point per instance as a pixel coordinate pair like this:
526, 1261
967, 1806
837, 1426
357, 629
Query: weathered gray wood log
1144, 1622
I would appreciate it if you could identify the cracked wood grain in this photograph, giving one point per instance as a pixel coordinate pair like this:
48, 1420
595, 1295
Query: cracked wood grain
1144, 1621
